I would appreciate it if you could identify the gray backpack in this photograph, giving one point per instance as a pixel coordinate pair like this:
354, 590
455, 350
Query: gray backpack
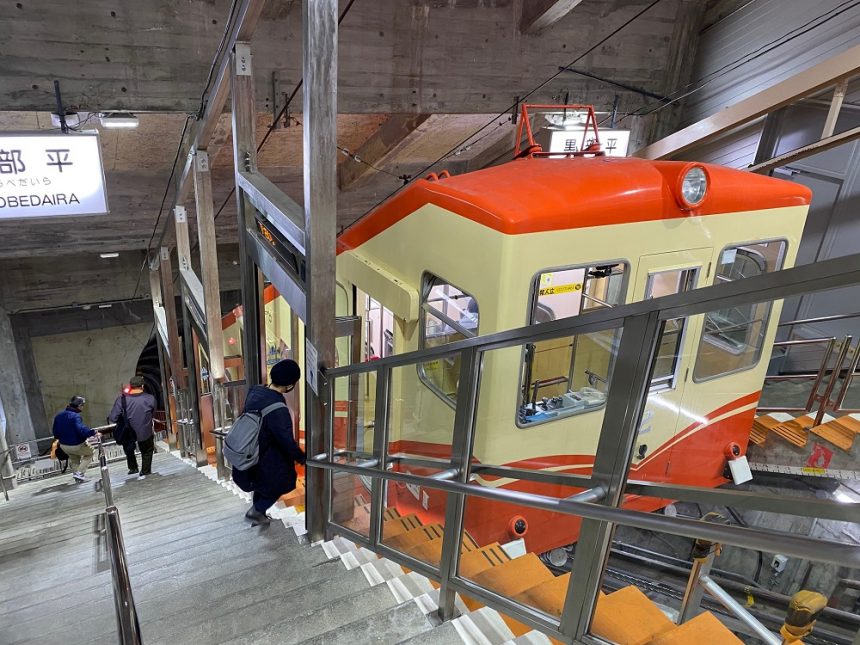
242, 443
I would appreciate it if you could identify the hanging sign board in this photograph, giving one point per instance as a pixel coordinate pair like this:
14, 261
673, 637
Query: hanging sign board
22, 451
51, 175
613, 142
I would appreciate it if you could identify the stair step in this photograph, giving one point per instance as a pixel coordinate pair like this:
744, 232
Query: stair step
303, 624
483, 627
475, 562
381, 570
629, 617
704, 628
444, 634
394, 527
840, 432
409, 586
547, 596
404, 621
407, 540
514, 576
533, 637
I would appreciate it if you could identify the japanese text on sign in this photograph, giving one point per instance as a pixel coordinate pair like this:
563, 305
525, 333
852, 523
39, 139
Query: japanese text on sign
51, 175
562, 288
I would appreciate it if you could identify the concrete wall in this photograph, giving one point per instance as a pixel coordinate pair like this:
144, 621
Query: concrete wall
94, 364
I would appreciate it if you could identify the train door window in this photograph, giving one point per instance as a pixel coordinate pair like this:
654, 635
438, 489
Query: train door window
569, 375
667, 283
732, 338
378, 330
448, 314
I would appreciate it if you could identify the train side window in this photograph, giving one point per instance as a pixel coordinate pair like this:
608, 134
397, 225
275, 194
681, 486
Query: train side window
569, 376
666, 283
378, 331
732, 338
448, 314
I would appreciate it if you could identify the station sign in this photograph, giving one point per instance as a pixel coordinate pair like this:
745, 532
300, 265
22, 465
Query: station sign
51, 175
613, 142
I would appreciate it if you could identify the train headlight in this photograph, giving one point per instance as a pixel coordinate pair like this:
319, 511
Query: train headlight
694, 186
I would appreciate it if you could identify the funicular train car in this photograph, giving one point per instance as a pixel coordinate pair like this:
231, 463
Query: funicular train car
550, 236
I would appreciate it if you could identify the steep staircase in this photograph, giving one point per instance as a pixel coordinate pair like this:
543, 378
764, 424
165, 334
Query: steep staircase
201, 574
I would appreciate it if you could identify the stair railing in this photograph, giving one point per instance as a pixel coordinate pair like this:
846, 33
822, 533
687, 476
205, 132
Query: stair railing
128, 626
608, 485
5, 457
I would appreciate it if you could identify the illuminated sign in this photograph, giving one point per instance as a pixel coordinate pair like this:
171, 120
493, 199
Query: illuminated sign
613, 142
51, 175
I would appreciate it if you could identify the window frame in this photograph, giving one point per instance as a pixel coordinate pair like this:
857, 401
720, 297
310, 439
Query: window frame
531, 307
425, 308
669, 382
766, 321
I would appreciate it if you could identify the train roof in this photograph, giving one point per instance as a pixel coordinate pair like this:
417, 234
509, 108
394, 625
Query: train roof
544, 194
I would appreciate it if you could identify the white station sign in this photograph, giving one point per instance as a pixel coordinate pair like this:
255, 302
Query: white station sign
51, 175
613, 142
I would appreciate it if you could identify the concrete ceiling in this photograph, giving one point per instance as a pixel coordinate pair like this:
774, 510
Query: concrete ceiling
416, 78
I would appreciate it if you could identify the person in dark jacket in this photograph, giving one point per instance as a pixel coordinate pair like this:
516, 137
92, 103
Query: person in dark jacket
139, 407
70, 430
275, 473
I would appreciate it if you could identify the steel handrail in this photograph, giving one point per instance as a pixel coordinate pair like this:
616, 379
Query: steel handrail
738, 611
789, 544
5, 455
128, 624
829, 274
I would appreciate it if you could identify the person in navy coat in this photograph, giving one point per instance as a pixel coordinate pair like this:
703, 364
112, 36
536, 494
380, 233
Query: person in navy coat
275, 472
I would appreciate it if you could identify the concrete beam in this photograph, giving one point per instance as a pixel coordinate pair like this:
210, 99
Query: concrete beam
542, 14
382, 145
818, 77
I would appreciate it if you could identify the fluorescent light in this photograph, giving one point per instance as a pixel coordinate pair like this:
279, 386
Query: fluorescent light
105, 306
105, 256
118, 120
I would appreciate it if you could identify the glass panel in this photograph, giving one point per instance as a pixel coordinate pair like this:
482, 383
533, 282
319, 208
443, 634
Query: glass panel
566, 376
420, 423
350, 496
521, 553
414, 517
568, 292
448, 315
666, 283
378, 329
733, 337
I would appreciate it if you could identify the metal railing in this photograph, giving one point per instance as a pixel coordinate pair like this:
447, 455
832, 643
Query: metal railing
5, 457
128, 626
824, 399
599, 506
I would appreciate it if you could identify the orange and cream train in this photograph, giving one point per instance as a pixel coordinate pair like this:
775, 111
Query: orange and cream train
543, 238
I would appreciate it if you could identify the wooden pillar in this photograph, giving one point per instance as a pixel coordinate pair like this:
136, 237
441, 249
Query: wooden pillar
245, 158
319, 22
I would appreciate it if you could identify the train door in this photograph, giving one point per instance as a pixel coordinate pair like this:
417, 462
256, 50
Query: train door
658, 275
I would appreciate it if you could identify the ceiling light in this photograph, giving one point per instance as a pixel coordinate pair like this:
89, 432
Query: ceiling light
105, 256
105, 306
118, 120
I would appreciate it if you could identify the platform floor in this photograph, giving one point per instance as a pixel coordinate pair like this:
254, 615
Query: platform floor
199, 572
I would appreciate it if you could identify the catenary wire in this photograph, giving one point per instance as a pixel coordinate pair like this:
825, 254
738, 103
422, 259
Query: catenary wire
522, 99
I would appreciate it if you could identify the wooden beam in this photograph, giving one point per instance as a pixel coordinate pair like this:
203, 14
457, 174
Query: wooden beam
542, 14
382, 145
209, 265
823, 75
807, 151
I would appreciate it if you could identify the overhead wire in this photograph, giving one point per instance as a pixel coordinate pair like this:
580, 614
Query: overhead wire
522, 99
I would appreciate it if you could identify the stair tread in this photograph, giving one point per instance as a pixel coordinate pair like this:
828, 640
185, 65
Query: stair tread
514, 576
629, 617
704, 628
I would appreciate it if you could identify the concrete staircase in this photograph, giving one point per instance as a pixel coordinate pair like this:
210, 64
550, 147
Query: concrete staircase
199, 572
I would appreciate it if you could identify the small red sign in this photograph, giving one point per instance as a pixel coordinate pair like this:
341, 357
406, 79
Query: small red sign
820, 457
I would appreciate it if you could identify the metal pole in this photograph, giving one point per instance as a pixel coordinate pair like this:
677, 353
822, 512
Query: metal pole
192, 419
319, 27
245, 159
461, 457
738, 611
626, 400
126, 612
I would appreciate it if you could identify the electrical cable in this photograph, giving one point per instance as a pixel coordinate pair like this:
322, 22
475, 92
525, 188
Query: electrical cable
522, 99
161, 208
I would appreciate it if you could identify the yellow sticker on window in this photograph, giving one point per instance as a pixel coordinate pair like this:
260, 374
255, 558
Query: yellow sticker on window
562, 288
